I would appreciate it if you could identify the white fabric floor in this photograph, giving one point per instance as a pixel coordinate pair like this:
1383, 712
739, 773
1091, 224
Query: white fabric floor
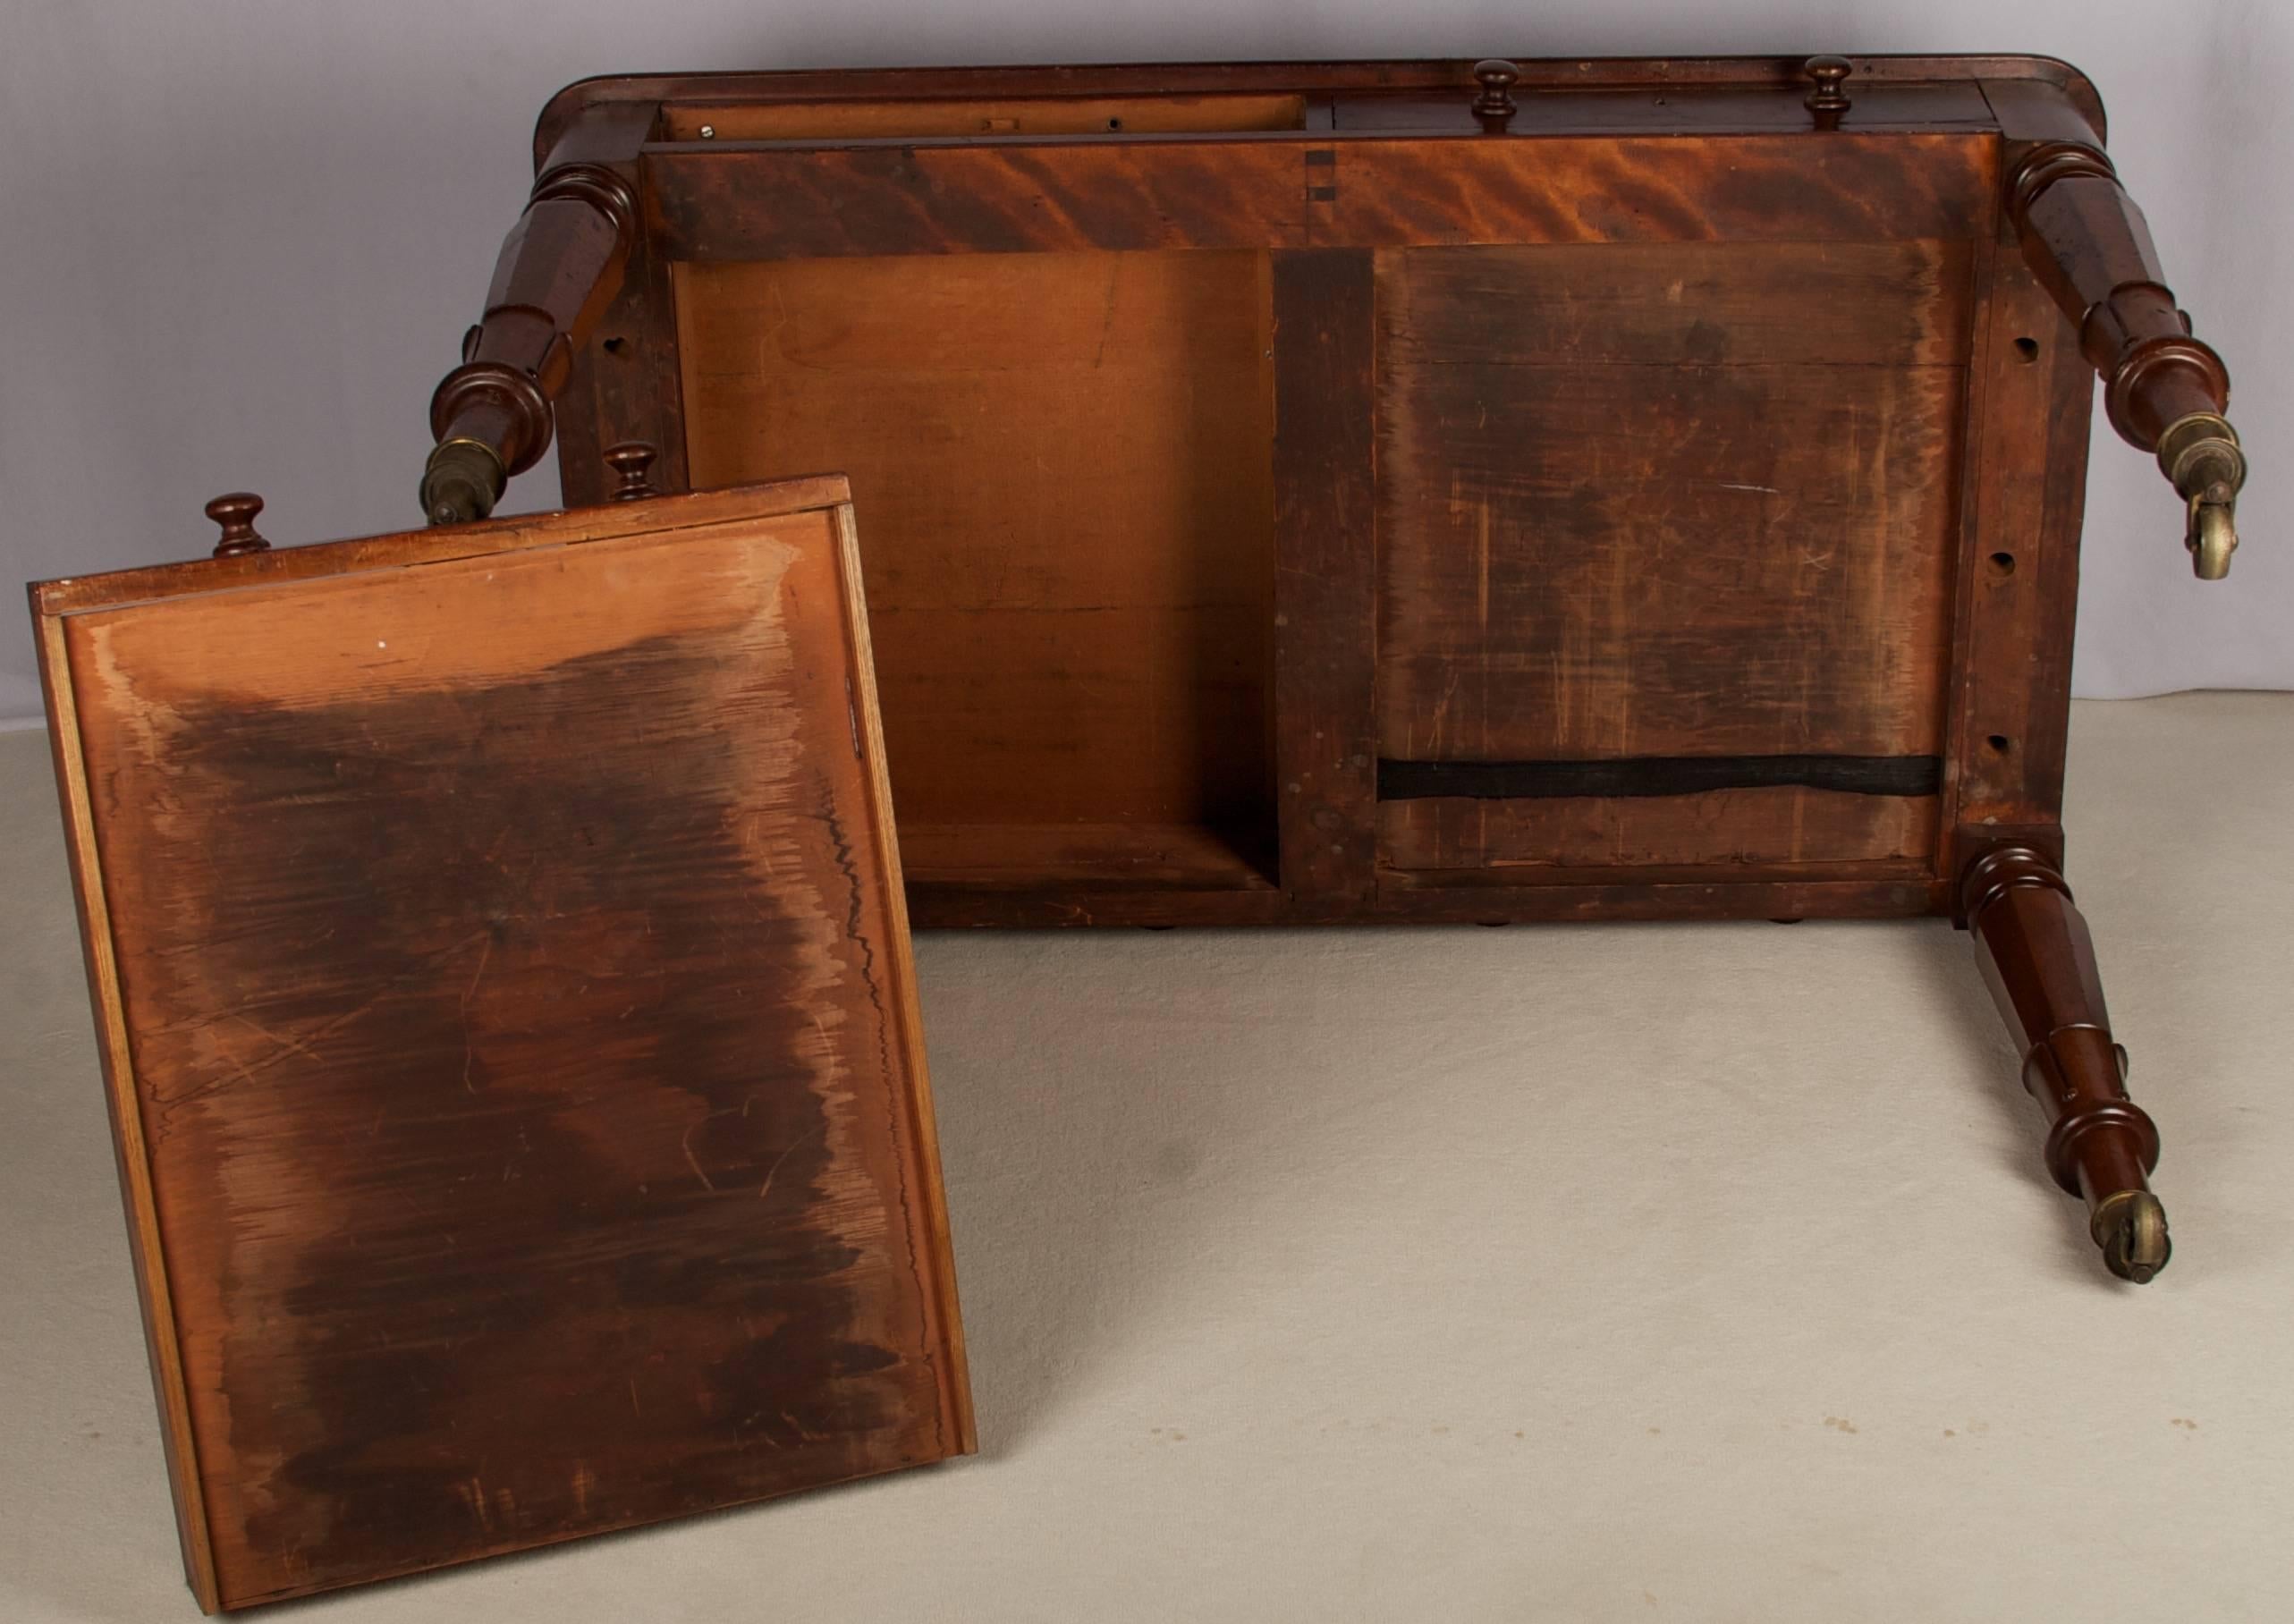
1580, 1273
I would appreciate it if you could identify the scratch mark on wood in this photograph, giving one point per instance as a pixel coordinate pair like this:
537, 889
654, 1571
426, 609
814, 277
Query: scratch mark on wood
692, 1161
780, 1160
302, 1049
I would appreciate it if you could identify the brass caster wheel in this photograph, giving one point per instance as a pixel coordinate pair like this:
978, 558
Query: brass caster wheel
2132, 1228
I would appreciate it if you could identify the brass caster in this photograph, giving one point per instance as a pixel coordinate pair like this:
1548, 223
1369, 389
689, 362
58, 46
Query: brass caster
2200, 455
461, 482
2213, 538
2132, 1228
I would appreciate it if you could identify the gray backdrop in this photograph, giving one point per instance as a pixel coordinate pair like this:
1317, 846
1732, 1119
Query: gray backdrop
241, 241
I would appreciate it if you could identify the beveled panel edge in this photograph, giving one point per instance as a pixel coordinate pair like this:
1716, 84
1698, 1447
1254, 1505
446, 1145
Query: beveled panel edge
920, 1134
155, 1298
397, 549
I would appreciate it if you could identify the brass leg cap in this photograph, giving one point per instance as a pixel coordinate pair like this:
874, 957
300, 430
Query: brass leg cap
461, 482
2132, 1228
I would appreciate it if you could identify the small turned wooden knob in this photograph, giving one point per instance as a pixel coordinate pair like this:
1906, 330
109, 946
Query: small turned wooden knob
630, 460
235, 513
1828, 100
1494, 106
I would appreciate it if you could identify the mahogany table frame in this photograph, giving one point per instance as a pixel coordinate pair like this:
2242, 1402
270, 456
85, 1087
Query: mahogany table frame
579, 338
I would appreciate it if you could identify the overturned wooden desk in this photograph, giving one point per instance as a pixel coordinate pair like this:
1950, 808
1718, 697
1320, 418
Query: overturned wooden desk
1541, 491
1286, 493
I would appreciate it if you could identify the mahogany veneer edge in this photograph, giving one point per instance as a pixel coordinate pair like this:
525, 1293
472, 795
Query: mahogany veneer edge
154, 1300
923, 1150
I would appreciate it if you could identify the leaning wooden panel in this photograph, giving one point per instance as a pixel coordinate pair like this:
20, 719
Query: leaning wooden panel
504, 980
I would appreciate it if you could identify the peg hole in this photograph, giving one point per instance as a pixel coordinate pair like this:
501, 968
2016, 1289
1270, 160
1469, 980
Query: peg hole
614, 346
2026, 349
1997, 744
2002, 563
1115, 124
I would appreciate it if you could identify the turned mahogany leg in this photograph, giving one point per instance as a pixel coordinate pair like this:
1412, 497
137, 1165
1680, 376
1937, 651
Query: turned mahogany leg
2038, 959
558, 270
2165, 391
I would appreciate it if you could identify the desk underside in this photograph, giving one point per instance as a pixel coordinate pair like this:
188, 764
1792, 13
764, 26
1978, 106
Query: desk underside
1299, 523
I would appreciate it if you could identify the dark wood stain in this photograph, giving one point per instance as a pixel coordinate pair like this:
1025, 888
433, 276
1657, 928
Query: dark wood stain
522, 1063
1623, 514
490, 1276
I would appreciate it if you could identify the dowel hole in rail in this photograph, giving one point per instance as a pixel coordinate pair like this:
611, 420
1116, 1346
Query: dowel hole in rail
1998, 744
2026, 349
2002, 563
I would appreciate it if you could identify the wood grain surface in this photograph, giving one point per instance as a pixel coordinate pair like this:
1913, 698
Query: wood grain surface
2030, 403
515, 1025
1062, 464
1658, 502
717, 201
1326, 591
1722, 828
